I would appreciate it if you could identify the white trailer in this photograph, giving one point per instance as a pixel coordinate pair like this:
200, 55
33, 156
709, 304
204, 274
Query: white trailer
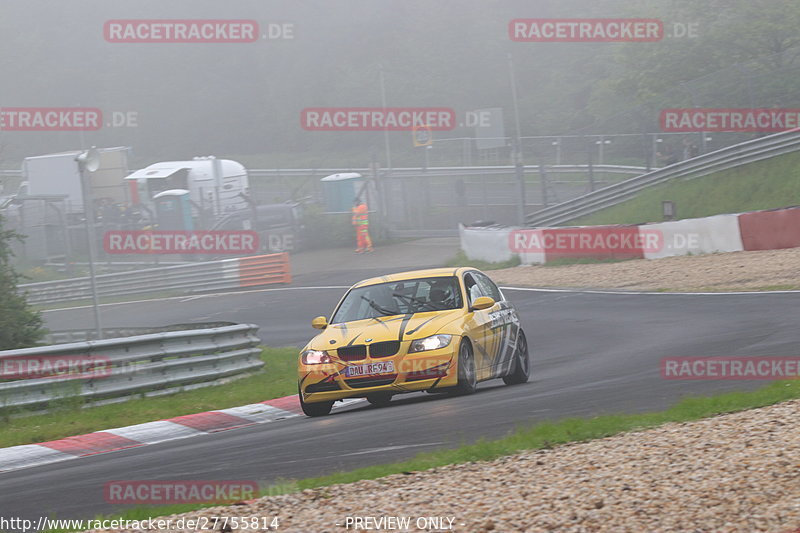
218, 186
58, 175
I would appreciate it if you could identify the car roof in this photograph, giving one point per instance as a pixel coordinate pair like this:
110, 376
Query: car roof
413, 274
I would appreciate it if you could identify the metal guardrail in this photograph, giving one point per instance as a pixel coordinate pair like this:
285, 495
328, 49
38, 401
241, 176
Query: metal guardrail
730, 157
417, 171
136, 365
194, 277
444, 171
81, 335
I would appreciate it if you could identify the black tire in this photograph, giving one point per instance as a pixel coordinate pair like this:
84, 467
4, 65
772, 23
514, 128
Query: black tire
467, 377
315, 409
380, 399
521, 369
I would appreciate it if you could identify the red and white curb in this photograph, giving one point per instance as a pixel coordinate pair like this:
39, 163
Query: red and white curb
110, 440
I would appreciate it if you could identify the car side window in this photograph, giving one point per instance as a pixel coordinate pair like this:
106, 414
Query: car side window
474, 289
488, 287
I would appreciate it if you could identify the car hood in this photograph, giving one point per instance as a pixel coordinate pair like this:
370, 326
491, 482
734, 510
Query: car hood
390, 328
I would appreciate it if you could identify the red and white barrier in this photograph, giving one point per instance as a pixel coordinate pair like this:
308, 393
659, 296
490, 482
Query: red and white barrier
619, 242
193, 425
758, 230
694, 236
770, 230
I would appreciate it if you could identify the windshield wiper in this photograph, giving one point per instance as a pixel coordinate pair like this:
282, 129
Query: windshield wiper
378, 308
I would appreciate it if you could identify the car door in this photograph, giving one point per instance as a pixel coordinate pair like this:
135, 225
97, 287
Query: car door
479, 328
505, 325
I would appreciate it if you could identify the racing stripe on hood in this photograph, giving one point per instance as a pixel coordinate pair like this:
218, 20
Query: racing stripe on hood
382, 323
403, 325
354, 339
416, 329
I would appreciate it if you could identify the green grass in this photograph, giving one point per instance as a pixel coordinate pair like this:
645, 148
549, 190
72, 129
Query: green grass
461, 260
765, 184
275, 380
540, 436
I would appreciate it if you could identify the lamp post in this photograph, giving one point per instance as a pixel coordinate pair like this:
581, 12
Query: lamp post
89, 161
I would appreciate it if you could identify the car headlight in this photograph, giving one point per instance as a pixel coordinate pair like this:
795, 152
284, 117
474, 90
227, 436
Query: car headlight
434, 342
315, 357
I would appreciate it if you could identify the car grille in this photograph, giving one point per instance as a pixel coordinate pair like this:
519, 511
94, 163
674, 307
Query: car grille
323, 387
352, 353
376, 381
384, 349
358, 352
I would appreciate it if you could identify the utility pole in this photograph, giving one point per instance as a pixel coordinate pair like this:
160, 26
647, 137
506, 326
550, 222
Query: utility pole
519, 166
385, 129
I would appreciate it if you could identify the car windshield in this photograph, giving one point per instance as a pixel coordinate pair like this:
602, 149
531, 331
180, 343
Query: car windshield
399, 298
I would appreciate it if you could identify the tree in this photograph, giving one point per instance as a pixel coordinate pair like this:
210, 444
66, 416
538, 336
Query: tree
20, 326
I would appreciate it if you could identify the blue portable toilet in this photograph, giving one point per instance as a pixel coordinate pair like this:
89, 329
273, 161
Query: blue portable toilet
339, 191
174, 210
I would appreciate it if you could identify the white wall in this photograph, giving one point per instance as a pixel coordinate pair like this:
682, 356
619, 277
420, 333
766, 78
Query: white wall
719, 233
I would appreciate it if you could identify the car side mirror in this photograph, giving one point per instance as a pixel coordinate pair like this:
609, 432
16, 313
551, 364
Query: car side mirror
482, 302
319, 323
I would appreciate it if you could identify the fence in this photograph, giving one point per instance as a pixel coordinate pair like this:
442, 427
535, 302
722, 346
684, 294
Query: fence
134, 365
194, 277
733, 156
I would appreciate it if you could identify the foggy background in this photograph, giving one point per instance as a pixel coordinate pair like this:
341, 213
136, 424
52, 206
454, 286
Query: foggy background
243, 100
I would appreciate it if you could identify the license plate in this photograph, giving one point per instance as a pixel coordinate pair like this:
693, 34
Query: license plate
369, 369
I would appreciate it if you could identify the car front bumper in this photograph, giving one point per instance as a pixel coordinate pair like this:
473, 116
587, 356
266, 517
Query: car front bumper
412, 372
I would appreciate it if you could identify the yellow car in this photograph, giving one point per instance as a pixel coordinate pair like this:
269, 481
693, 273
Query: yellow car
438, 330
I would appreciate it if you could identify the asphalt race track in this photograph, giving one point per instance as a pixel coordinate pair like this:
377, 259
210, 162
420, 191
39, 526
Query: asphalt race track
592, 353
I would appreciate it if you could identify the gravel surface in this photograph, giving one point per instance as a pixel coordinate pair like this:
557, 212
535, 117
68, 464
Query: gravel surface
732, 473
713, 272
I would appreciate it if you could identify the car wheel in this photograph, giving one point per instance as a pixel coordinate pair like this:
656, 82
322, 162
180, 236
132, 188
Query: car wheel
522, 364
315, 409
467, 377
379, 399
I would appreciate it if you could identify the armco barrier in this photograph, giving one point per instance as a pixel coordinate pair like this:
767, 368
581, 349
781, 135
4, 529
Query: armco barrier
770, 230
211, 275
137, 364
79, 335
719, 233
725, 158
